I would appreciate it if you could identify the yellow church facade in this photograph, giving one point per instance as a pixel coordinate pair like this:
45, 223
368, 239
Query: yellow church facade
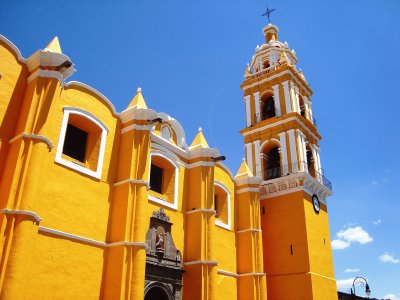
100, 204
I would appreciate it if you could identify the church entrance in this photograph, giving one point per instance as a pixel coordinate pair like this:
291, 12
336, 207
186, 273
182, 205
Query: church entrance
156, 293
164, 265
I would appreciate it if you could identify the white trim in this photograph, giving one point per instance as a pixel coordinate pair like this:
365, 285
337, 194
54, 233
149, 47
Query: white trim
13, 47
47, 74
251, 274
226, 273
137, 127
248, 190
200, 164
277, 100
249, 230
90, 241
247, 180
228, 199
285, 192
201, 262
29, 213
134, 181
249, 156
34, 137
70, 164
282, 139
173, 205
201, 210
248, 110
71, 84
323, 276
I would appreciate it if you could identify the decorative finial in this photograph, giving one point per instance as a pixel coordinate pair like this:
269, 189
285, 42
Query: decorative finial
139, 89
243, 159
268, 14
200, 129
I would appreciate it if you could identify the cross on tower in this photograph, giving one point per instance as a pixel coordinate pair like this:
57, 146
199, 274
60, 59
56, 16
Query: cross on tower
268, 14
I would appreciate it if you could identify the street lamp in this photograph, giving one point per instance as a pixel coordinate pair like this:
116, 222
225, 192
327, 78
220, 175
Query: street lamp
360, 281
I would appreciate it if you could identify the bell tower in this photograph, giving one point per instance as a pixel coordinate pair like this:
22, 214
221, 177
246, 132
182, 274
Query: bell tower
282, 147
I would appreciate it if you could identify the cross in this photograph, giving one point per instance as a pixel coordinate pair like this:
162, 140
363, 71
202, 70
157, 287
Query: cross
268, 14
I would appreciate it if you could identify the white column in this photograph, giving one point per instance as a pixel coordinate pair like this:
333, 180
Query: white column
257, 158
276, 99
317, 164
288, 104
302, 150
248, 111
296, 99
249, 156
256, 96
293, 97
293, 151
309, 108
282, 140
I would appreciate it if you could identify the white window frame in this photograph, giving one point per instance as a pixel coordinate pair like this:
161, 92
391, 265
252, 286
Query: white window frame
70, 164
228, 199
161, 201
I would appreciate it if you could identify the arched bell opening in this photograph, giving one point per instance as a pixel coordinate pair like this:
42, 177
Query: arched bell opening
157, 293
271, 161
267, 106
302, 107
310, 162
266, 64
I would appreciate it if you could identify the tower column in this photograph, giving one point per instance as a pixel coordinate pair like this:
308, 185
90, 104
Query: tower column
295, 99
256, 96
277, 100
249, 155
248, 110
288, 105
302, 150
282, 139
293, 150
257, 154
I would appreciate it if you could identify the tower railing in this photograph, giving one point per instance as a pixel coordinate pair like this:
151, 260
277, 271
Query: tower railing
281, 171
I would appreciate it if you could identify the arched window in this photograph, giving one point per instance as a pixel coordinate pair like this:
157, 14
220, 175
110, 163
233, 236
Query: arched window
302, 107
310, 162
82, 142
266, 65
272, 163
222, 206
267, 107
163, 180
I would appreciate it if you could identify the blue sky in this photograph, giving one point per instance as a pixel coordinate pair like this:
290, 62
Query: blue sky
189, 58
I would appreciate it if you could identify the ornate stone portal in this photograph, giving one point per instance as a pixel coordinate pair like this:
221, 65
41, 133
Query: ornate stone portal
163, 262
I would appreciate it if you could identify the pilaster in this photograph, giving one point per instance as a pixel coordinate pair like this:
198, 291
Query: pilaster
277, 100
288, 105
256, 96
248, 110
293, 150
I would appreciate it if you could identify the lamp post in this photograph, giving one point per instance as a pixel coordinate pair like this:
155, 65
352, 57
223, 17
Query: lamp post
360, 281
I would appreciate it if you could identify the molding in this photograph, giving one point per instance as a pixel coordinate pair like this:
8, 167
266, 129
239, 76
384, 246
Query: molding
33, 137
247, 180
226, 273
294, 118
201, 262
71, 84
248, 190
47, 74
13, 48
137, 127
249, 230
91, 241
290, 72
251, 274
303, 273
29, 213
201, 210
168, 146
141, 114
133, 181
200, 164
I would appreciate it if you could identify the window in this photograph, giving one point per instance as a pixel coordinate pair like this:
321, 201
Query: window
272, 163
163, 179
82, 141
156, 178
267, 107
222, 206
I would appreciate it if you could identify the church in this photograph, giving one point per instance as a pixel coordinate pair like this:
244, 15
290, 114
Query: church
101, 204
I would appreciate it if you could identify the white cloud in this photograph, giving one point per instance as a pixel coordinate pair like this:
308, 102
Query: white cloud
339, 244
386, 257
351, 270
391, 297
377, 222
355, 234
344, 284
374, 182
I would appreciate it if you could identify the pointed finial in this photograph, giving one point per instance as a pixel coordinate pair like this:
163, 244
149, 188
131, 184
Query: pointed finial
243, 159
200, 129
139, 89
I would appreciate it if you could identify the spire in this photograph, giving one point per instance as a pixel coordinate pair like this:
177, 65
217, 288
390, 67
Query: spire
199, 141
244, 170
138, 100
270, 32
54, 46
